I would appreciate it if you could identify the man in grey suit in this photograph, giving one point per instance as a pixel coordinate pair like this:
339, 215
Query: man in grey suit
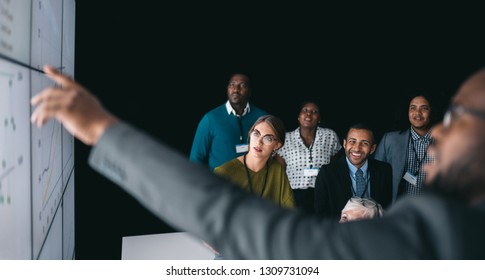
405, 149
446, 224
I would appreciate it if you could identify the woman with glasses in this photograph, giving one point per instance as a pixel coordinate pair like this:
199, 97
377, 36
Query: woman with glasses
358, 208
256, 171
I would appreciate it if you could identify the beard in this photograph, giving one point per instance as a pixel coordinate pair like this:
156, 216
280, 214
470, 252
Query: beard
462, 180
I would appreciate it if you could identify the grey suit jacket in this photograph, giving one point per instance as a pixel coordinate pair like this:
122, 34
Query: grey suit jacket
243, 226
393, 149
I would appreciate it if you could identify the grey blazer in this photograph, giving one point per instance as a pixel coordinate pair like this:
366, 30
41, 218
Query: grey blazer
393, 149
242, 226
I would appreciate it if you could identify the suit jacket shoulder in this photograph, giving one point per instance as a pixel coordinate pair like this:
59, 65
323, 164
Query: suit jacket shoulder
333, 187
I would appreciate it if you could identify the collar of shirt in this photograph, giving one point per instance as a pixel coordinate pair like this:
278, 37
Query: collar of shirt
416, 137
353, 169
231, 110
297, 132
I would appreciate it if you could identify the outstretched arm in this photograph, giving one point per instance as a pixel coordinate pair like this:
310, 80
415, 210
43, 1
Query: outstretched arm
191, 198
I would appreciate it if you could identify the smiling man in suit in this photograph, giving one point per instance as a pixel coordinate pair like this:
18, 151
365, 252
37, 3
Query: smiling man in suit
340, 180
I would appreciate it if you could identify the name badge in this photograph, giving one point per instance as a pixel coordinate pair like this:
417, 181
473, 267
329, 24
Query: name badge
242, 148
310, 172
410, 178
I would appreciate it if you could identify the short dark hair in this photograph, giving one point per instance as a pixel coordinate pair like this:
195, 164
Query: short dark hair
242, 74
362, 125
402, 113
305, 102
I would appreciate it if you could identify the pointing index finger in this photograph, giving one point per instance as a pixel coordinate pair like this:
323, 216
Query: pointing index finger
57, 76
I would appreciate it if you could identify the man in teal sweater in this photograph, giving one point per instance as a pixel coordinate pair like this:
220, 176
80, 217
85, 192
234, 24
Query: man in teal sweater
222, 132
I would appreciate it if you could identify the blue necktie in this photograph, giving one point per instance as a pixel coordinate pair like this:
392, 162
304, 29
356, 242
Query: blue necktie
359, 183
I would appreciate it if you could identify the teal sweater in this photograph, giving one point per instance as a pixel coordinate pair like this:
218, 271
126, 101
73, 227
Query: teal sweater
218, 133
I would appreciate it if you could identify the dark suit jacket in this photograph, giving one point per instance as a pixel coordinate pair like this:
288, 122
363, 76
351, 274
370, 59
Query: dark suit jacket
242, 226
333, 186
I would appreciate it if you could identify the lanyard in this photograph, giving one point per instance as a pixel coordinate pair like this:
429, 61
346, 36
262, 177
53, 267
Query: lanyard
311, 155
249, 177
310, 149
239, 121
418, 161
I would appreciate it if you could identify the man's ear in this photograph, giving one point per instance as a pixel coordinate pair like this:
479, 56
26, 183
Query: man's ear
373, 148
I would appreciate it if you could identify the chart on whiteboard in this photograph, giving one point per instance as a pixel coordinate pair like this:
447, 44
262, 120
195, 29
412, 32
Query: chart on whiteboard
36, 164
14, 161
46, 170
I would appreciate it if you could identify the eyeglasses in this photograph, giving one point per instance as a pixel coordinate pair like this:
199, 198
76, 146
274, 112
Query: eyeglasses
368, 203
267, 139
457, 110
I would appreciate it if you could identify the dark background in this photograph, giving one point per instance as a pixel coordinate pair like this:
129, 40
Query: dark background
161, 66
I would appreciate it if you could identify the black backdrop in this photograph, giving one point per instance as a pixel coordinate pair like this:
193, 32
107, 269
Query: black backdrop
161, 67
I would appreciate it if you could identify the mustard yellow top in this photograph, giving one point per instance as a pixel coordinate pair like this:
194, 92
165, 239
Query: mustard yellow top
277, 187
